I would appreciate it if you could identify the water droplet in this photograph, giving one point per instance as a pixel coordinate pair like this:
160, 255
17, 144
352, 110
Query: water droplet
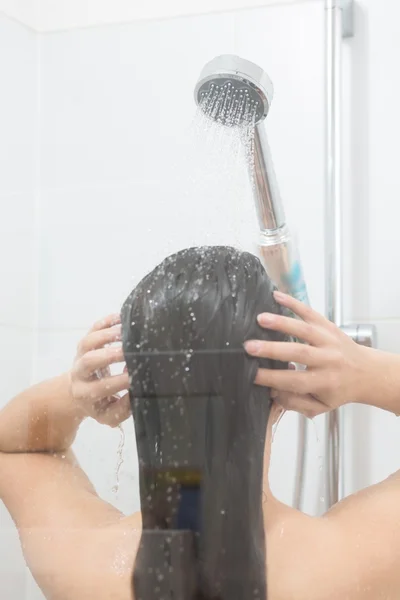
120, 460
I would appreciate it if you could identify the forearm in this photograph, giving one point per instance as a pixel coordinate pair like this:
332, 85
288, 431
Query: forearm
43, 418
380, 387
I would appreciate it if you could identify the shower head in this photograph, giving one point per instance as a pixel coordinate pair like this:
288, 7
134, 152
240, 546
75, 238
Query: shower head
235, 92
233, 89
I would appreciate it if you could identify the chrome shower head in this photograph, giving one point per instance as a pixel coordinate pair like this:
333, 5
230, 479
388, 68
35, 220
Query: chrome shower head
235, 92
231, 84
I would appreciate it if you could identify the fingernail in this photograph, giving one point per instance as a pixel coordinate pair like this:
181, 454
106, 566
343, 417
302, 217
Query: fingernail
265, 319
252, 347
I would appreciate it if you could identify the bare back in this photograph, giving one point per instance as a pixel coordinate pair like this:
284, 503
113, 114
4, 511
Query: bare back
78, 546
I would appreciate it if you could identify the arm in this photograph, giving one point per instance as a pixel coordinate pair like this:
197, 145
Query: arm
46, 417
74, 543
69, 536
42, 418
383, 390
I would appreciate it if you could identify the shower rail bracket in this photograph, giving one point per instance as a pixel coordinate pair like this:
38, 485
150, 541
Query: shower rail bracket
347, 7
347, 19
365, 335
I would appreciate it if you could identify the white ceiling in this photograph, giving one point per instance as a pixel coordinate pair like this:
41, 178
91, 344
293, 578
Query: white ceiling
53, 15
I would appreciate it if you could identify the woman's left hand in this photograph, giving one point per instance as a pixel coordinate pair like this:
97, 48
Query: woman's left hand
338, 370
95, 391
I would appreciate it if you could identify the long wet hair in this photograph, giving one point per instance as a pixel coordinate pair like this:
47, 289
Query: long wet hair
200, 424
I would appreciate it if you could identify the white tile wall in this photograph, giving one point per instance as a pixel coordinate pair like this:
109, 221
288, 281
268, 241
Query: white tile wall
371, 183
16, 361
17, 106
17, 179
50, 15
17, 280
25, 11
55, 352
18, 96
384, 131
16, 211
97, 243
116, 98
18, 63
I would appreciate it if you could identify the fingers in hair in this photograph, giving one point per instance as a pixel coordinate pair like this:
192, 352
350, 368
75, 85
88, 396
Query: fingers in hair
302, 310
96, 360
312, 334
98, 339
104, 388
115, 412
109, 321
285, 352
307, 405
298, 382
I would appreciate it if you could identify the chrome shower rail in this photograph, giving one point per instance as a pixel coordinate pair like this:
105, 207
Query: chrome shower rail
333, 227
339, 24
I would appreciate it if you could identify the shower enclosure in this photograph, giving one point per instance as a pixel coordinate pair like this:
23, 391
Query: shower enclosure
88, 128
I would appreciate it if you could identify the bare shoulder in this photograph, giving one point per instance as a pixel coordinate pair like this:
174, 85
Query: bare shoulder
300, 554
352, 552
75, 544
369, 525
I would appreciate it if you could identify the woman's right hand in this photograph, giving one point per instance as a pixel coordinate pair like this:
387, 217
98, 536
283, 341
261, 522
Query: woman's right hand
93, 388
338, 370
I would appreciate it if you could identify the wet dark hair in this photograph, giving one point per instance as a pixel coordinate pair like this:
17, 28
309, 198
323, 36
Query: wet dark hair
200, 424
